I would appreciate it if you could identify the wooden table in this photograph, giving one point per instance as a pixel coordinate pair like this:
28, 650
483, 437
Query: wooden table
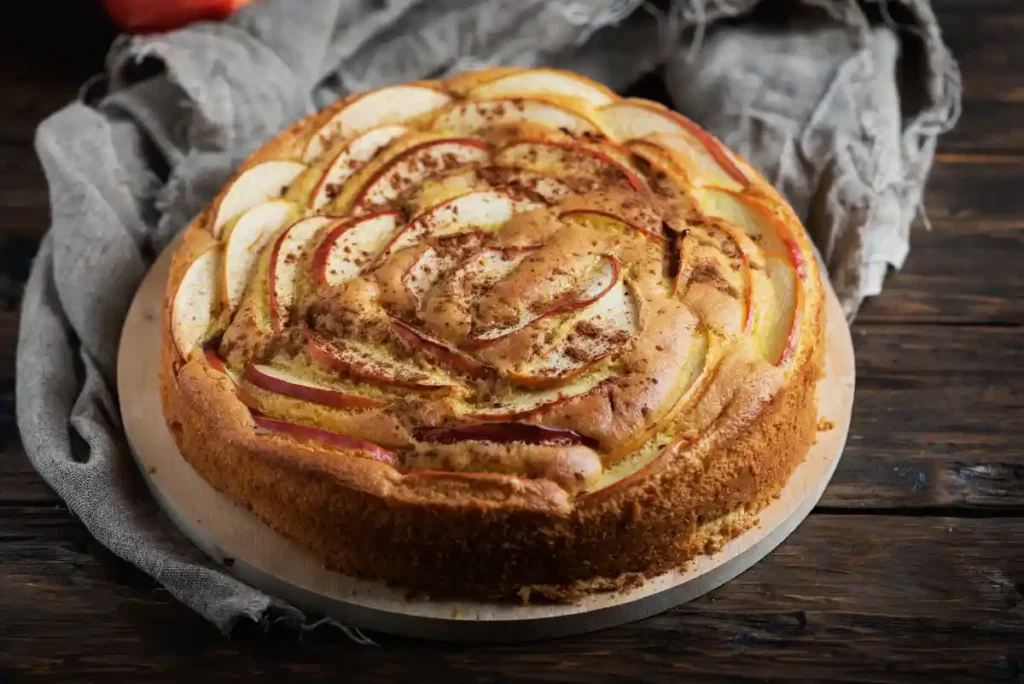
911, 567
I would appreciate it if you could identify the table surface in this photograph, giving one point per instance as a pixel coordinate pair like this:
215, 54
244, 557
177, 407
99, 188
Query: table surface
912, 565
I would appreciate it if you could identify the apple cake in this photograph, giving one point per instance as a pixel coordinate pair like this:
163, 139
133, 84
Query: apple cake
497, 334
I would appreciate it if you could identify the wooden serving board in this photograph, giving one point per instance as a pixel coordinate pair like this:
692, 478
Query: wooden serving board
259, 556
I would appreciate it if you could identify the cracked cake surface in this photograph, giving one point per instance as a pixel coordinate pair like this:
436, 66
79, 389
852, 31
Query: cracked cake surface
500, 334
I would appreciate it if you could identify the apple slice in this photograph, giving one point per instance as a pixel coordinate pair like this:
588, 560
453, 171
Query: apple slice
506, 433
628, 120
439, 352
350, 159
562, 158
694, 373
385, 106
588, 337
746, 249
649, 459
374, 364
469, 117
305, 432
352, 246
777, 336
701, 168
771, 234
291, 384
284, 262
192, 309
598, 217
256, 185
516, 404
545, 82
414, 164
246, 238
599, 283
484, 209
217, 363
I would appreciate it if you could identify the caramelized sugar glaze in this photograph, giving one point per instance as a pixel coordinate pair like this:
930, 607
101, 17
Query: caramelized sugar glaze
500, 333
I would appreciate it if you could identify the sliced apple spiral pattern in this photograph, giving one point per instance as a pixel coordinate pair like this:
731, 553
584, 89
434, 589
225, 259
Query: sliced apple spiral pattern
525, 259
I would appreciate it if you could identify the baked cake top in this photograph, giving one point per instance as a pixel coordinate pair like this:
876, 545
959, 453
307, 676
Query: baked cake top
507, 272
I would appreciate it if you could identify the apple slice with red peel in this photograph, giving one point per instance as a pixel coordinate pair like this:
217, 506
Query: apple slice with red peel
217, 363
746, 249
560, 157
192, 309
759, 222
599, 283
370, 363
649, 459
411, 166
592, 215
284, 262
468, 117
484, 209
255, 185
506, 433
246, 239
350, 159
305, 432
594, 333
518, 404
778, 332
701, 169
352, 246
439, 352
390, 105
628, 120
545, 82
291, 384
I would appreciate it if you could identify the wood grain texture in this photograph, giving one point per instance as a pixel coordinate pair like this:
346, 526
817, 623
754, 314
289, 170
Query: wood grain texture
885, 606
912, 568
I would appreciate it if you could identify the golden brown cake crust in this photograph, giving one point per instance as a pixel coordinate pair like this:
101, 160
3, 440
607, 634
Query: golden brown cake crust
657, 460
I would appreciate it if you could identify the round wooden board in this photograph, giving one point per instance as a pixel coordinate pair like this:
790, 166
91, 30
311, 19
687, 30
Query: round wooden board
266, 560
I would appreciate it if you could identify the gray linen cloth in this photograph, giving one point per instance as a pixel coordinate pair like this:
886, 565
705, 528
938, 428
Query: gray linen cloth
839, 105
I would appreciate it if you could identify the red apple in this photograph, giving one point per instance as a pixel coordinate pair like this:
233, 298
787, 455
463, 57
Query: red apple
154, 16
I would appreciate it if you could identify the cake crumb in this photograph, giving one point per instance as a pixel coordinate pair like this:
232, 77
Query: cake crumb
824, 425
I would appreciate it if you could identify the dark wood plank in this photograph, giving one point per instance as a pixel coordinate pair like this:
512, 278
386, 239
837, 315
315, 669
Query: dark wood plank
966, 268
938, 420
847, 598
984, 37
